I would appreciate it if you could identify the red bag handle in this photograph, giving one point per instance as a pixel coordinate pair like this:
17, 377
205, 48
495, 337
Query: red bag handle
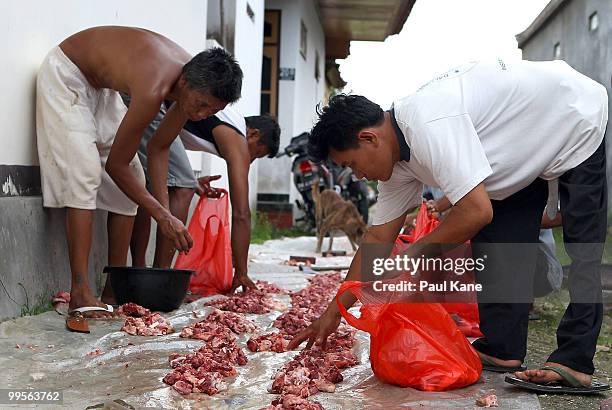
358, 323
217, 193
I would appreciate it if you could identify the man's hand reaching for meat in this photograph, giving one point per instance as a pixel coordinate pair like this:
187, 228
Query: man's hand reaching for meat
319, 330
242, 280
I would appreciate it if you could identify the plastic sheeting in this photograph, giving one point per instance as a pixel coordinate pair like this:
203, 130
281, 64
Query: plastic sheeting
130, 368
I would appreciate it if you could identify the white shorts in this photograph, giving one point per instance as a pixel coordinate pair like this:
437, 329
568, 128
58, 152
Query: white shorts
76, 126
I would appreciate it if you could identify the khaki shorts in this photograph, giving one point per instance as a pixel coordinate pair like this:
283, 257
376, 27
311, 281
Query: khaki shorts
76, 126
180, 173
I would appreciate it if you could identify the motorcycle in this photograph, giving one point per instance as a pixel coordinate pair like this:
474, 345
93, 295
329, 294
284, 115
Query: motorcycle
306, 172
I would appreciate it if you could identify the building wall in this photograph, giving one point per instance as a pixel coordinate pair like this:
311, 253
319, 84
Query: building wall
246, 42
33, 254
274, 176
587, 51
298, 97
309, 92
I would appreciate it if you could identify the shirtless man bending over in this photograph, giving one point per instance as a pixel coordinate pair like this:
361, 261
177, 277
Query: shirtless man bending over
87, 138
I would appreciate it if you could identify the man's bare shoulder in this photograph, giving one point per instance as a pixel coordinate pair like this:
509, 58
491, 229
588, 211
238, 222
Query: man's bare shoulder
123, 58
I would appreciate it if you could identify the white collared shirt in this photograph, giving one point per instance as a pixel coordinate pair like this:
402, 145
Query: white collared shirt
501, 123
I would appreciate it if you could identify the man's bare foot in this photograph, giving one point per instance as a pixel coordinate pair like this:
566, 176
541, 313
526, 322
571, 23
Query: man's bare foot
547, 376
500, 362
81, 298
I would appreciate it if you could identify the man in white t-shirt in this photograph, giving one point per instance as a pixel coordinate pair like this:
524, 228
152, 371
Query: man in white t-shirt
489, 135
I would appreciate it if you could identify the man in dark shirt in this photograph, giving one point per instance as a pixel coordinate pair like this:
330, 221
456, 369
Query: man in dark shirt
236, 139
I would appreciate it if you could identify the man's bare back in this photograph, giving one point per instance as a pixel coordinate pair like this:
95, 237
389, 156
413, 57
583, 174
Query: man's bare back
126, 58
77, 148
151, 68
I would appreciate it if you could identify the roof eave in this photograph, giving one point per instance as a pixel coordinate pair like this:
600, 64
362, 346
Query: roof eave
401, 15
337, 42
551, 8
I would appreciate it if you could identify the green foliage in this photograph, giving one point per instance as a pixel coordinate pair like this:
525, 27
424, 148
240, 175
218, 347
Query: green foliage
262, 230
42, 305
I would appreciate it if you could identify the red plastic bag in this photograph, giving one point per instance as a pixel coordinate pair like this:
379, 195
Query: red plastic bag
425, 223
211, 254
465, 314
413, 344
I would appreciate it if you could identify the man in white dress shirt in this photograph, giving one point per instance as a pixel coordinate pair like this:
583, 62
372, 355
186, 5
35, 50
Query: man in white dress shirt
490, 135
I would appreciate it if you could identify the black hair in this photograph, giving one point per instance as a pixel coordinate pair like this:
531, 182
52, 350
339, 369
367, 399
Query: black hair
215, 71
340, 122
269, 131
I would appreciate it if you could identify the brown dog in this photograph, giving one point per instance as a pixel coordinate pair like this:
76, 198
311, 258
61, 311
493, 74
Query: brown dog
334, 213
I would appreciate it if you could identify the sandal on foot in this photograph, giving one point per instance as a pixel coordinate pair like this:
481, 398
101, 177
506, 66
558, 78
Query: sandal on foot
80, 310
76, 322
569, 384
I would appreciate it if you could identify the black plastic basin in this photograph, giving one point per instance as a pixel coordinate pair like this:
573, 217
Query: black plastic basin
156, 289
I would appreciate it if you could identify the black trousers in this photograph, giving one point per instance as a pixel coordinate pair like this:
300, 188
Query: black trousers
510, 246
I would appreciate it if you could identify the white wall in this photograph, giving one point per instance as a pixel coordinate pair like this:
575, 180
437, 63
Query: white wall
30, 28
274, 177
308, 91
298, 98
248, 47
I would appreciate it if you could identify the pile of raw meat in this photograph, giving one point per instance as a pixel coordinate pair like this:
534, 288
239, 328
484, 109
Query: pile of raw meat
203, 371
219, 323
293, 402
312, 370
272, 342
308, 372
269, 287
295, 320
132, 310
252, 301
317, 295
306, 306
140, 321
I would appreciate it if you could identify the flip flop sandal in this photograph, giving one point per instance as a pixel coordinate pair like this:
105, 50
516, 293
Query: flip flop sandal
489, 366
76, 322
85, 309
569, 384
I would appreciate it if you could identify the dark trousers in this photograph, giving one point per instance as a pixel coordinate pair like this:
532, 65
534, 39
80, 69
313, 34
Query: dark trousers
510, 243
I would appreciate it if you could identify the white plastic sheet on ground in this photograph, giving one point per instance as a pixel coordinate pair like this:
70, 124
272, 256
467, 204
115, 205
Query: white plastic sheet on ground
130, 368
